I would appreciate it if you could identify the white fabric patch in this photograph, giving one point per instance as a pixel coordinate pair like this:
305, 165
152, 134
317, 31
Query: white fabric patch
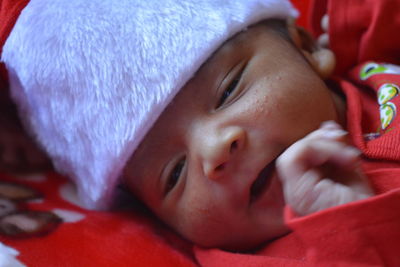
69, 193
68, 215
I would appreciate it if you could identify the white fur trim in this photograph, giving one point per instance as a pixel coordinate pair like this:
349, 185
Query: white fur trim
92, 76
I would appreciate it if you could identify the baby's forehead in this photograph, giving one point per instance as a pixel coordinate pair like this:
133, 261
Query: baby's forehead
243, 40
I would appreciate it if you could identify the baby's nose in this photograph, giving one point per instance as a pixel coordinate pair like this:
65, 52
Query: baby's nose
219, 149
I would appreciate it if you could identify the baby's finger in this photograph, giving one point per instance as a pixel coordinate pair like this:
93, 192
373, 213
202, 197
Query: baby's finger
330, 125
299, 194
332, 152
307, 154
312, 192
328, 130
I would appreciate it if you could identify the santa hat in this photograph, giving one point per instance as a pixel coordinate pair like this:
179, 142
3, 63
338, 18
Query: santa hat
91, 77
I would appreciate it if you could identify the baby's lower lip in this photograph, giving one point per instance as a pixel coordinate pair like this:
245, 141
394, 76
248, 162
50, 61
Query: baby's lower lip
262, 183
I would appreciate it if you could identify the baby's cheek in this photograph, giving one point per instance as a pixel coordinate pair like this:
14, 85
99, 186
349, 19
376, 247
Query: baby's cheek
203, 223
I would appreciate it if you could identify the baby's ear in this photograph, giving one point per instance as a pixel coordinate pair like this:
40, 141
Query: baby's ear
321, 59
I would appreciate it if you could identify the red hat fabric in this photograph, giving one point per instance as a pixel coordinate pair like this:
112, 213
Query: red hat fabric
9, 12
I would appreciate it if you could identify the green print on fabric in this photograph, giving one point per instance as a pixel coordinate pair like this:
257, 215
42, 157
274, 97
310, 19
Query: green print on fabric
387, 92
387, 114
373, 68
370, 69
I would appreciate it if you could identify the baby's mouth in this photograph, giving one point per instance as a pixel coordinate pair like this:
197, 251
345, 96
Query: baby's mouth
262, 183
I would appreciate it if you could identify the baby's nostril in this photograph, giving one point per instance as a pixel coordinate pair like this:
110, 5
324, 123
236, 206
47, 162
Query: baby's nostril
220, 167
234, 145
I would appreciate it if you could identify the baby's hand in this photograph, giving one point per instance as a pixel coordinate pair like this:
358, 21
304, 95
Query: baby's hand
321, 171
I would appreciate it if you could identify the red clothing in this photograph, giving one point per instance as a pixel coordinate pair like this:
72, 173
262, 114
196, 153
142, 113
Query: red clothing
360, 30
365, 232
9, 12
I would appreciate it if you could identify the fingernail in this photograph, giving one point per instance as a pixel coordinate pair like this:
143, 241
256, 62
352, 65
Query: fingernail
330, 124
352, 152
334, 133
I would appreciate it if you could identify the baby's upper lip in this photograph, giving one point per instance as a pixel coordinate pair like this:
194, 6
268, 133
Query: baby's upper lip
262, 181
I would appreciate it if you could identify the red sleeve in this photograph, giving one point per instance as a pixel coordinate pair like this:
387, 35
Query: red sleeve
364, 232
360, 30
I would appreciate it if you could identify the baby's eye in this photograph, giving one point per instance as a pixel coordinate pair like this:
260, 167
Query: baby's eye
175, 175
230, 89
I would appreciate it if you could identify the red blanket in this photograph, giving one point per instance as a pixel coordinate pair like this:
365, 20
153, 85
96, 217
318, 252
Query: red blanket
47, 229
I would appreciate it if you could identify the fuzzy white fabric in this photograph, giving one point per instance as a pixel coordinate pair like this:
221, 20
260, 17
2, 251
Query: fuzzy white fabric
92, 76
8, 257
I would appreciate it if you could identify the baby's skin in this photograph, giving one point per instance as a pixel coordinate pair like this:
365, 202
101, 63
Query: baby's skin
321, 171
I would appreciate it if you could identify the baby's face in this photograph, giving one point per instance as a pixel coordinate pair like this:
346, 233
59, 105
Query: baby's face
206, 168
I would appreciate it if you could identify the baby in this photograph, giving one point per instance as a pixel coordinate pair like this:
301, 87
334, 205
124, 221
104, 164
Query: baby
213, 164
216, 113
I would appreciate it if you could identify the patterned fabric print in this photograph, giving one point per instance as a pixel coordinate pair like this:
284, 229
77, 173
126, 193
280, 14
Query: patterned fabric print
122, 237
16, 220
28, 212
372, 68
387, 109
383, 78
386, 92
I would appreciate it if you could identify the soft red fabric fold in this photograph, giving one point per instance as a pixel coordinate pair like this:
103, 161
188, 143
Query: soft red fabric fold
9, 12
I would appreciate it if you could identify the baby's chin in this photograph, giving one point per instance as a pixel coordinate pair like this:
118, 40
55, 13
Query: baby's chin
242, 241
251, 244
